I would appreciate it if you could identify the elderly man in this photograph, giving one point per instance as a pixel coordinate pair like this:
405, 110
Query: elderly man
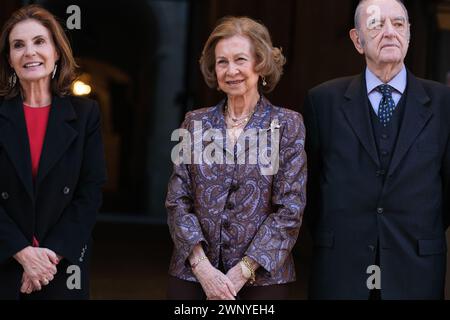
379, 164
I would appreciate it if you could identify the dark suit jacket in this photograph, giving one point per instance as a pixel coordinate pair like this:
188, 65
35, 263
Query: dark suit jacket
60, 206
349, 208
236, 209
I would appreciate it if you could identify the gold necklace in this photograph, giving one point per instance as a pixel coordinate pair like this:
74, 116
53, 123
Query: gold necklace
238, 121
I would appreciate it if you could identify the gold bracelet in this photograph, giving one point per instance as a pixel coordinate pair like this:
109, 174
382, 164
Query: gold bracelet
246, 262
195, 264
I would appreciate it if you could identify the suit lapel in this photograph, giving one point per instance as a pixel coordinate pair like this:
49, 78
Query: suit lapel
356, 111
14, 137
416, 116
58, 137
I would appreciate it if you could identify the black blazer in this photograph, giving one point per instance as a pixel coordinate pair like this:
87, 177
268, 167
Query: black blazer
349, 208
60, 206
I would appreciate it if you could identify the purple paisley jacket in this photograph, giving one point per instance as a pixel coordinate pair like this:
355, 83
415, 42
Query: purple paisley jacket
234, 209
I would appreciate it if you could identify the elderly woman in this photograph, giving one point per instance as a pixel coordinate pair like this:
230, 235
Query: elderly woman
233, 221
51, 163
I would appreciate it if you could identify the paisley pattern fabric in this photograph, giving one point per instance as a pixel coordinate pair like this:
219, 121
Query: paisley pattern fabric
234, 209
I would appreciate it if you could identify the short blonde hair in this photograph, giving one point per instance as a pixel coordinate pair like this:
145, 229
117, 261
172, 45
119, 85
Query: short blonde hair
269, 60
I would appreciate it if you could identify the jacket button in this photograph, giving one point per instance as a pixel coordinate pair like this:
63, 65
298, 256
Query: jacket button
380, 173
230, 206
384, 136
226, 224
371, 247
234, 188
5, 195
384, 153
380, 210
66, 190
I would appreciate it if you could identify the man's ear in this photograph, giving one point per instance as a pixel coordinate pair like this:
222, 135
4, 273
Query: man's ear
356, 40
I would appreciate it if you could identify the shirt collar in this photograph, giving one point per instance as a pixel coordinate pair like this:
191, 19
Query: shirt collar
398, 82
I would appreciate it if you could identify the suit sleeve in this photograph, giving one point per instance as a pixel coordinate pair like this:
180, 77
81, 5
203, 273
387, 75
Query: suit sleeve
446, 181
184, 225
73, 230
12, 240
312, 147
277, 235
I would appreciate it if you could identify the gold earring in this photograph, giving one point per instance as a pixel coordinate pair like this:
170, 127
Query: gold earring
264, 83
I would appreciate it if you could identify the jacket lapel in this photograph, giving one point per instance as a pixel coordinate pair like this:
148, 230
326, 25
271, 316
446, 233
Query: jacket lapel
260, 120
356, 111
416, 116
217, 122
14, 137
59, 136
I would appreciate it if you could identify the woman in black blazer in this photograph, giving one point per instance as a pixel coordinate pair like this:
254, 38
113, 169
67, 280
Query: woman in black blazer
51, 163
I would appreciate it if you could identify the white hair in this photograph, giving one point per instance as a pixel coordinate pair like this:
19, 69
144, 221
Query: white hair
359, 8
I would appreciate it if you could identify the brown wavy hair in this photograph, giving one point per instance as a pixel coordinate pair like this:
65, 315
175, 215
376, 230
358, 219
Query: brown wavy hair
269, 60
65, 74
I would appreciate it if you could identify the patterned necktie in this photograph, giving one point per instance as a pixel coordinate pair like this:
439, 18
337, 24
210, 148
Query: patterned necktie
387, 104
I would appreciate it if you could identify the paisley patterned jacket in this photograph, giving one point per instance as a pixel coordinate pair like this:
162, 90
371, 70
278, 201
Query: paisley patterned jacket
239, 208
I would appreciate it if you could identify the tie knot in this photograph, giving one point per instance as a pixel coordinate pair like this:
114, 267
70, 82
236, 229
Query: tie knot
385, 89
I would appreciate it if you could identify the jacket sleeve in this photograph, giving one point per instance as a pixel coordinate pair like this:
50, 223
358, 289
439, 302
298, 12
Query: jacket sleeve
12, 240
312, 147
184, 225
446, 184
73, 230
278, 233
